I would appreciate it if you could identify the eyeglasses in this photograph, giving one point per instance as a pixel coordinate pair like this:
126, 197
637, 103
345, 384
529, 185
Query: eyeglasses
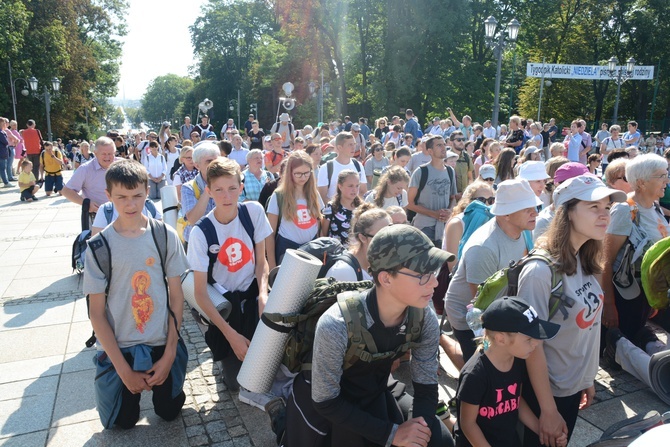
302, 174
423, 279
622, 178
486, 200
662, 176
379, 149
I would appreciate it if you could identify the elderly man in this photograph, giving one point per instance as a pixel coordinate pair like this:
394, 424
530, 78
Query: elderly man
195, 200
88, 181
255, 177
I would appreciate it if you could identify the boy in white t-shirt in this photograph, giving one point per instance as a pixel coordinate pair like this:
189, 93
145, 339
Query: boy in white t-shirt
227, 250
345, 146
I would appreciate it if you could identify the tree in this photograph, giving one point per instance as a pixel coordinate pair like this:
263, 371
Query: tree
164, 98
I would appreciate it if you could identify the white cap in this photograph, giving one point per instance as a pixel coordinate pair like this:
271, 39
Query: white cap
283, 117
512, 196
533, 170
451, 154
585, 187
487, 172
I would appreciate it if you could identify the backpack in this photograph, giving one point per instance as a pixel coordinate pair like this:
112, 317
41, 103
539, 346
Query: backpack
108, 210
505, 282
350, 296
182, 222
422, 184
81, 241
329, 251
207, 228
330, 168
291, 130
56, 152
102, 255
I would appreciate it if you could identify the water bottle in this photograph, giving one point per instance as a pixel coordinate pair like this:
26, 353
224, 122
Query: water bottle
474, 319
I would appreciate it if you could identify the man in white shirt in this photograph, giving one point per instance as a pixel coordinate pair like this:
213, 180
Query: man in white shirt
345, 145
489, 130
238, 153
230, 125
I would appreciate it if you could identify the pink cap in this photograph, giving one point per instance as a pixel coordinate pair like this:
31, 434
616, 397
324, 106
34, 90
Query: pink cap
569, 170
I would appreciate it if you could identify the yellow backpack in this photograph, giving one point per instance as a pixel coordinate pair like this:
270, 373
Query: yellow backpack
182, 222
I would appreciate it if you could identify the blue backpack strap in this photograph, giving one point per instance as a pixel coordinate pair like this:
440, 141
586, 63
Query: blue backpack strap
149, 205
245, 218
108, 209
207, 228
528, 239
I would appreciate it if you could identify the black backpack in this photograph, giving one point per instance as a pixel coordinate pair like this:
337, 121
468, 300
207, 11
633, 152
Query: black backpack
329, 251
80, 243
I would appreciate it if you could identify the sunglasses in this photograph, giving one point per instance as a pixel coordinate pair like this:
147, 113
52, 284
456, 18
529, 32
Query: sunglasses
379, 149
486, 200
622, 178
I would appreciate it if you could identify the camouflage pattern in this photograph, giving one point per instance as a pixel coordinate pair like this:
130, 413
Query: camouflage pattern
407, 246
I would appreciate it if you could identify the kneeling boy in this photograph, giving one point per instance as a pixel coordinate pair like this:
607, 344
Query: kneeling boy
137, 312
338, 406
227, 249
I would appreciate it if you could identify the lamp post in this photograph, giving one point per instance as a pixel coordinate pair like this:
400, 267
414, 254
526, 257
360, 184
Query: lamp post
46, 97
619, 75
498, 43
324, 89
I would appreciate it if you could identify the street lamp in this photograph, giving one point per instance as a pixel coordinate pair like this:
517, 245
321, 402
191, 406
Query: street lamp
618, 75
46, 97
498, 43
323, 89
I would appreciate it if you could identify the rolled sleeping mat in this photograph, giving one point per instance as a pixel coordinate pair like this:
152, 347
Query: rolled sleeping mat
170, 205
288, 296
659, 375
188, 286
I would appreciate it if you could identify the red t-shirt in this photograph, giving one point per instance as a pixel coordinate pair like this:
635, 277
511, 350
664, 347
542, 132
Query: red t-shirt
31, 140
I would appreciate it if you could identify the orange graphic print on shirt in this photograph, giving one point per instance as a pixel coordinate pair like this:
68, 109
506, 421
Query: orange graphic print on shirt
234, 254
304, 219
142, 303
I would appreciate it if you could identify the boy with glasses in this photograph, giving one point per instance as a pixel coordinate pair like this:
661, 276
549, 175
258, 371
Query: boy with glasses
336, 406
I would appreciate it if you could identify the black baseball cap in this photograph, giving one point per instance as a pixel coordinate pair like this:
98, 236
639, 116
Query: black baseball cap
511, 314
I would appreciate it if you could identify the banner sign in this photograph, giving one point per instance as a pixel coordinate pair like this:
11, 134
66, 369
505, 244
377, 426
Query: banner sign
588, 72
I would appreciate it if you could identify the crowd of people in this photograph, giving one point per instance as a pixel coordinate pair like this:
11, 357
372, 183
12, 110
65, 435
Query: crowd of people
427, 215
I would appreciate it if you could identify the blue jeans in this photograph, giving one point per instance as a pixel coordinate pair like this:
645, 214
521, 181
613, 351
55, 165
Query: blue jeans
3, 171
10, 163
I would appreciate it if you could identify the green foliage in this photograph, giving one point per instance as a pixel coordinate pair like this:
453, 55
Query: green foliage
164, 98
76, 41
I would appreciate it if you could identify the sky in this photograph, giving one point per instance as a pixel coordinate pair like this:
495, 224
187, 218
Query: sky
158, 42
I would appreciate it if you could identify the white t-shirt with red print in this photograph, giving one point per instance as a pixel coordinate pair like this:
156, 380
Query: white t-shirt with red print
302, 228
236, 261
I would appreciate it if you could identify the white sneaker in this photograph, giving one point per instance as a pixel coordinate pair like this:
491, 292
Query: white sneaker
258, 400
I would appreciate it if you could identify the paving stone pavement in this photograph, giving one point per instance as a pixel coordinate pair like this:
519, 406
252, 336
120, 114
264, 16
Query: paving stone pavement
46, 373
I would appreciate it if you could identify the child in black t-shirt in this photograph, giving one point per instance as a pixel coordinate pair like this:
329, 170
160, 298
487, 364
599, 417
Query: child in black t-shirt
489, 388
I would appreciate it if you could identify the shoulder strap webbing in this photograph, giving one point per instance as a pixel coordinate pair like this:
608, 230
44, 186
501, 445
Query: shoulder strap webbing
149, 205
280, 204
159, 235
329, 171
422, 182
108, 210
85, 222
361, 344
103, 258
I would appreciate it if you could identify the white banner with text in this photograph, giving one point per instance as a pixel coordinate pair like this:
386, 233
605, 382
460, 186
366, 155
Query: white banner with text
588, 72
